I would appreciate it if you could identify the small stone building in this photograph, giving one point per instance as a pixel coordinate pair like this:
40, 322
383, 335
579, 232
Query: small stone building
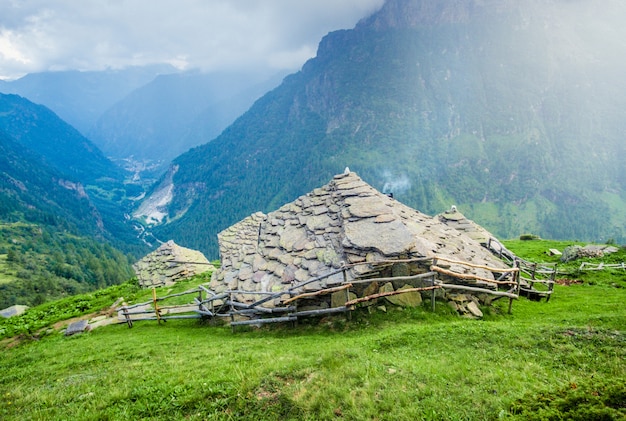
455, 219
341, 224
168, 264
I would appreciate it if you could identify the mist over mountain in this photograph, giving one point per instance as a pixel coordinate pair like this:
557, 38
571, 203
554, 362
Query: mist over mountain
80, 98
158, 121
513, 111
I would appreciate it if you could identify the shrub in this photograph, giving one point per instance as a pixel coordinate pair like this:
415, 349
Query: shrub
528, 237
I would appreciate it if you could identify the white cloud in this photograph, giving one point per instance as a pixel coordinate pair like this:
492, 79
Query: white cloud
38, 35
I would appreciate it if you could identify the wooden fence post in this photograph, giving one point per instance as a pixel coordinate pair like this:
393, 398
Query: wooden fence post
433, 293
156, 306
129, 321
516, 277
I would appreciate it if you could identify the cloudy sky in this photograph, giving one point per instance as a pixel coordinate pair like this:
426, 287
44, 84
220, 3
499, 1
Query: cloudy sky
42, 35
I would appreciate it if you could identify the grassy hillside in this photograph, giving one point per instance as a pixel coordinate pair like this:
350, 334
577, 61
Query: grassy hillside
557, 360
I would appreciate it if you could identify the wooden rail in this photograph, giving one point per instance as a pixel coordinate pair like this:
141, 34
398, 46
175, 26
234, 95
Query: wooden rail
601, 266
209, 304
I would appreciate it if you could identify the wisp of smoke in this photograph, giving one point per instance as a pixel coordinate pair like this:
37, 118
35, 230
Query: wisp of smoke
395, 183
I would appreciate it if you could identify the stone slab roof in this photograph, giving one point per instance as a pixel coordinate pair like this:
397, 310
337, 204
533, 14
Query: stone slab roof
455, 219
343, 222
168, 264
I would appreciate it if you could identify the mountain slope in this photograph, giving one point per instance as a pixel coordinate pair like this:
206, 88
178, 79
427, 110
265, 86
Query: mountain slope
39, 129
71, 160
158, 121
33, 191
511, 111
50, 233
80, 98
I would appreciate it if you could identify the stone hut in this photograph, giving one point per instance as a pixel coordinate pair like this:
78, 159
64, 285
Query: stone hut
168, 264
345, 223
455, 219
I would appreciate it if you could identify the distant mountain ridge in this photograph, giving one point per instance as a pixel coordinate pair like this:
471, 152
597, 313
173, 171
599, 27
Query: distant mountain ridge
159, 120
145, 114
80, 98
63, 147
509, 110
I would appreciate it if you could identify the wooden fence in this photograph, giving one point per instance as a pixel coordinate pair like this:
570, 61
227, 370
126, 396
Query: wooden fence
601, 266
285, 308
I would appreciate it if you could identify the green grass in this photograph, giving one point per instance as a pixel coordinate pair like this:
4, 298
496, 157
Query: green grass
558, 360
6, 274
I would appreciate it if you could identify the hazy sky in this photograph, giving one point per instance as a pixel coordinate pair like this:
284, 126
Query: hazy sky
41, 35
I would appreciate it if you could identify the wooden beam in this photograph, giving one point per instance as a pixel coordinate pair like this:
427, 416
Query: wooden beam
386, 294
395, 278
469, 276
316, 293
458, 262
475, 289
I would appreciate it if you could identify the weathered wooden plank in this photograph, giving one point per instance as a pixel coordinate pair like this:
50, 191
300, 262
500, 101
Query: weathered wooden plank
316, 293
387, 294
475, 289
395, 278
469, 276
490, 269
263, 321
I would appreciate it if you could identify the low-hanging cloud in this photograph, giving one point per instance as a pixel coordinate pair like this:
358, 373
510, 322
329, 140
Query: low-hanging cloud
37, 35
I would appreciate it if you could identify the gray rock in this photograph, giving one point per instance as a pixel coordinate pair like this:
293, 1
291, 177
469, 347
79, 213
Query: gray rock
408, 299
390, 239
15, 310
571, 253
472, 307
339, 298
77, 327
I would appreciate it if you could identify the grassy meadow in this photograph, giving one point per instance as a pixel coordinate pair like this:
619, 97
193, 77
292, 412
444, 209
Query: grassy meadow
564, 359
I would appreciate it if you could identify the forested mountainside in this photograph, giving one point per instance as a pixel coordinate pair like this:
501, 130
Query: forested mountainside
33, 191
56, 170
80, 98
157, 121
513, 111
51, 235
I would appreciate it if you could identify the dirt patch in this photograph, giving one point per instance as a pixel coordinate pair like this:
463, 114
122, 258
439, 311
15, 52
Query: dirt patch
65, 323
567, 282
